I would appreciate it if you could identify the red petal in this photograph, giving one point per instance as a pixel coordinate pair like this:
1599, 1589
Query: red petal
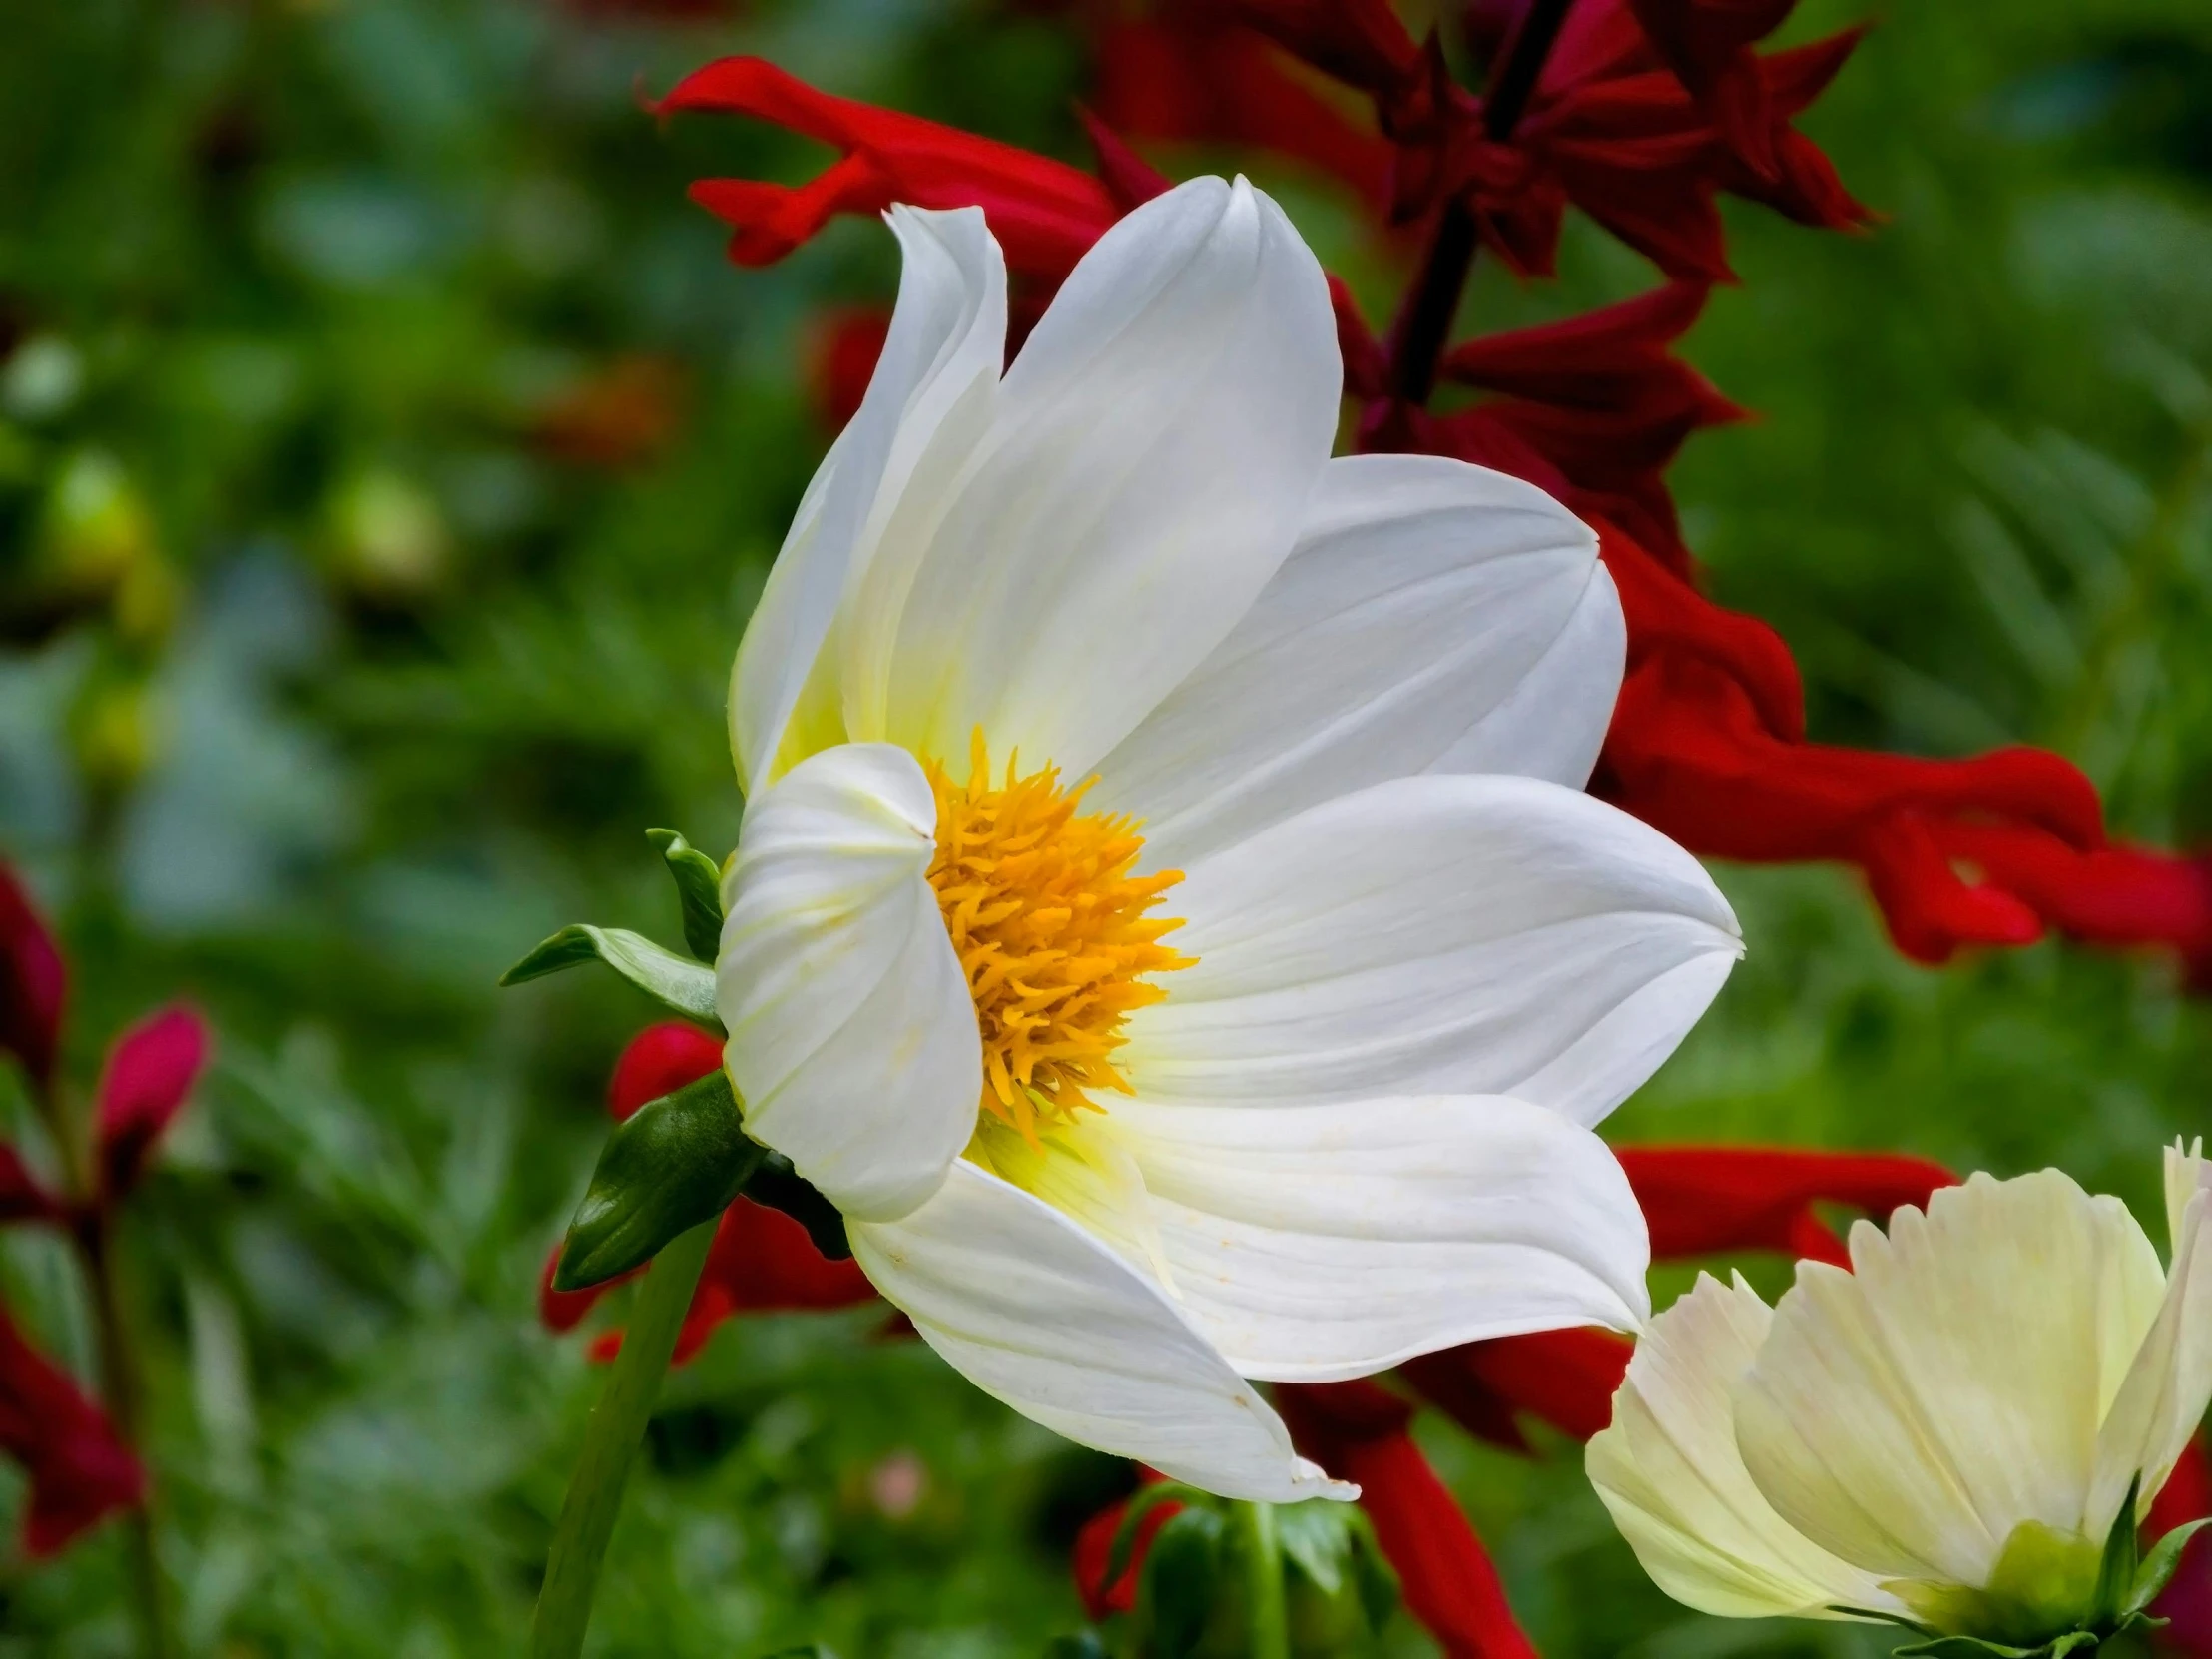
80, 1470
1702, 1200
149, 1076
34, 982
2187, 1600
1094, 1548
660, 1060
1565, 1378
1044, 212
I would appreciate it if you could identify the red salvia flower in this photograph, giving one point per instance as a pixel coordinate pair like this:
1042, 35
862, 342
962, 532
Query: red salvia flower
79, 1468
149, 1076
34, 984
2187, 1602
1045, 214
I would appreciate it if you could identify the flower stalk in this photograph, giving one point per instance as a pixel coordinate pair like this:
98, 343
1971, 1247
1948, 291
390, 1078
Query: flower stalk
1269, 1615
611, 1441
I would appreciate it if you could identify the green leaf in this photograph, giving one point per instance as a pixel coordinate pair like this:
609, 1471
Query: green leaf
1141, 1504
1373, 1574
685, 986
673, 1163
779, 1187
2116, 1569
698, 891
1182, 1575
1081, 1644
2159, 1565
1317, 1536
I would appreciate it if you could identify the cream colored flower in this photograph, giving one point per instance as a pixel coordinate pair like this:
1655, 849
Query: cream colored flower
1167, 920
1946, 1432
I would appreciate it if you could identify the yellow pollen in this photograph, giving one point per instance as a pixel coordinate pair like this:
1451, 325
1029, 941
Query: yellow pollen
1051, 927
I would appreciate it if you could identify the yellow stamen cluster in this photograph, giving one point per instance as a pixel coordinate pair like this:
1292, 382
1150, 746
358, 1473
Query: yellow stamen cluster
1051, 926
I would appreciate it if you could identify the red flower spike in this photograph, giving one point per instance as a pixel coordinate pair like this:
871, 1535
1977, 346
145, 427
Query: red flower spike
1358, 42
79, 1468
1357, 1432
148, 1077
1183, 78
1129, 179
1045, 214
1699, 1200
660, 1060
840, 359
1566, 1379
34, 982
1707, 45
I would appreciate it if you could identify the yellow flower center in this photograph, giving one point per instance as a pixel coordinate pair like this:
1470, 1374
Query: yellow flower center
1052, 926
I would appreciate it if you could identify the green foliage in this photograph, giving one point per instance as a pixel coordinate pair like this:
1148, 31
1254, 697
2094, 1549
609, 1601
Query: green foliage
334, 669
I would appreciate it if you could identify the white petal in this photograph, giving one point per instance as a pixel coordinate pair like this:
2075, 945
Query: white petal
929, 396
1437, 936
853, 1039
1316, 1242
1145, 469
1668, 1470
2188, 1172
1035, 1312
2163, 1398
1910, 1413
1424, 598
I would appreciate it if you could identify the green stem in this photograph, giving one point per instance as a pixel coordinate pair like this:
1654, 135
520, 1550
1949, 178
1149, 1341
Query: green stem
120, 1378
1271, 1625
610, 1441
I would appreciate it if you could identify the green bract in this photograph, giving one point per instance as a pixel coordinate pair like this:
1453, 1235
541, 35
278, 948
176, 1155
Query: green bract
685, 986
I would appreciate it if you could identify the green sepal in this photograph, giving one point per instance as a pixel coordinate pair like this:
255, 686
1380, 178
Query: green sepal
1141, 1504
1972, 1647
669, 980
2159, 1566
673, 1163
779, 1187
698, 891
2116, 1568
1182, 1573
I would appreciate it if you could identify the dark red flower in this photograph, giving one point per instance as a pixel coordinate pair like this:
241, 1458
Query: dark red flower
1192, 74
1707, 43
22, 1196
1699, 1200
34, 984
660, 1060
2186, 1496
1094, 1549
1045, 214
79, 1468
1566, 1379
148, 1077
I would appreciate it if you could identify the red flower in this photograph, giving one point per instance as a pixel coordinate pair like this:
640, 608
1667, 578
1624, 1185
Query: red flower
79, 1468
34, 984
1045, 214
762, 1260
149, 1076
1094, 1548
2186, 1496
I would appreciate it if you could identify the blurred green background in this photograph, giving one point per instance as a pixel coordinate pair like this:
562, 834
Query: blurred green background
388, 460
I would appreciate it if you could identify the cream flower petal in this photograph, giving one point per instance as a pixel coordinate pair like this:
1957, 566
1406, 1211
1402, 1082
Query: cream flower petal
852, 1038
1437, 936
1668, 1470
929, 398
1908, 1414
2163, 1398
1423, 596
1145, 472
1037, 1313
1317, 1243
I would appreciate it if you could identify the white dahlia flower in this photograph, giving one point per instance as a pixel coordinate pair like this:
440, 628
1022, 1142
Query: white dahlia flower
1167, 920
1945, 1434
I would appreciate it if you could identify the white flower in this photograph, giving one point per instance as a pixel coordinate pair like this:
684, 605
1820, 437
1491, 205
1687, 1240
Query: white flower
1946, 1432
1166, 920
